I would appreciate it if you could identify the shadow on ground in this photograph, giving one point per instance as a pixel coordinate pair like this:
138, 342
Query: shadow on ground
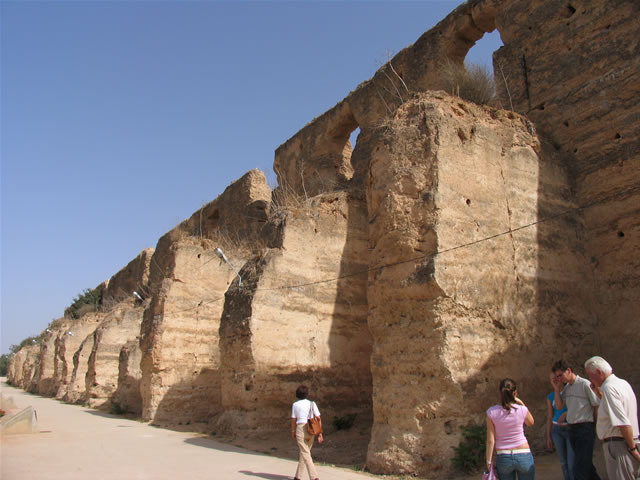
223, 447
268, 476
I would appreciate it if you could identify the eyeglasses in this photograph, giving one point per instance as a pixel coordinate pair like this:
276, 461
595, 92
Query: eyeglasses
558, 375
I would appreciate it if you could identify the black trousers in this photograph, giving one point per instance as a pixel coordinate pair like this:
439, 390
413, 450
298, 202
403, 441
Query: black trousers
582, 437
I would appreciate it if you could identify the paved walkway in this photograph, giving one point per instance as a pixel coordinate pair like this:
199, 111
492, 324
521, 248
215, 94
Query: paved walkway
80, 443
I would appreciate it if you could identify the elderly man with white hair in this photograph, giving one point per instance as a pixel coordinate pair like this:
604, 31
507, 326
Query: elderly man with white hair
617, 424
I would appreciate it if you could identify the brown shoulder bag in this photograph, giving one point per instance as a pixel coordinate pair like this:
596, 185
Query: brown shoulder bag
314, 424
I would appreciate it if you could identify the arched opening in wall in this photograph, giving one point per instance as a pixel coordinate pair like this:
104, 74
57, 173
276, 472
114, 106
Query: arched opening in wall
474, 79
342, 142
482, 52
353, 138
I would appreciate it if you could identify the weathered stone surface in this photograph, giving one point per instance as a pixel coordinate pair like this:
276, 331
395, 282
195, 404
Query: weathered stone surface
43, 381
456, 262
12, 366
319, 157
120, 326
575, 76
29, 365
127, 397
300, 317
132, 278
21, 365
68, 341
180, 353
77, 389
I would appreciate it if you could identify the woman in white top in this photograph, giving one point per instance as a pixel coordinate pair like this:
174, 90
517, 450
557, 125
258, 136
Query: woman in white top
300, 413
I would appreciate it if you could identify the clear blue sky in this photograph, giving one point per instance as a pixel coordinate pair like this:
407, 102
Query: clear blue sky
119, 119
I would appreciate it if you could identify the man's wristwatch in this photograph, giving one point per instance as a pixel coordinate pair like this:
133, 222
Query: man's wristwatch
633, 449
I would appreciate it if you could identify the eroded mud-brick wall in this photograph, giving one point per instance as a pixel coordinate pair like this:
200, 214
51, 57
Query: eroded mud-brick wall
576, 76
570, 69
69, 340
127, 397
77, 388
454, 301
120, 326
15, 373
43, 377
180, 354
132, 278
300, 317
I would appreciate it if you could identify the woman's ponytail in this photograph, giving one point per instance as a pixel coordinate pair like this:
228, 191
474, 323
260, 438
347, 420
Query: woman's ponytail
507, 393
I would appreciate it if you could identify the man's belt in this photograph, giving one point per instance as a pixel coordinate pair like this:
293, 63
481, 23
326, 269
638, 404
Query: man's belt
615, 439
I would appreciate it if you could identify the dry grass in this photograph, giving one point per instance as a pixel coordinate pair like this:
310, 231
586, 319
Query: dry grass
230, 239
472, 82
285, 200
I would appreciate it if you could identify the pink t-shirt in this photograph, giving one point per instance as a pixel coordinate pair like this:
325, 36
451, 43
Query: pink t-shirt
509, 425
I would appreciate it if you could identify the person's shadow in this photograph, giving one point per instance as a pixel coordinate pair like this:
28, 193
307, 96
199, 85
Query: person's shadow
268, 476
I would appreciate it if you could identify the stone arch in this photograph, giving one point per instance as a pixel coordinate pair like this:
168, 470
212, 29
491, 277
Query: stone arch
318, 158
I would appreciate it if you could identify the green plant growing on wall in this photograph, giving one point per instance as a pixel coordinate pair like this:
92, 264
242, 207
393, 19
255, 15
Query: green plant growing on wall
469, 454
88, 300
345, 422
117, 409
27, 341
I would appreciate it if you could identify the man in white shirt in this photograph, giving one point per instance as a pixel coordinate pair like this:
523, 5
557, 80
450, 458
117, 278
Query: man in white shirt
617, 424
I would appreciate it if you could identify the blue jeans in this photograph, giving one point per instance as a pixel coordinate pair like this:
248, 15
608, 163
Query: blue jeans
515, 465
560, 437
582, 437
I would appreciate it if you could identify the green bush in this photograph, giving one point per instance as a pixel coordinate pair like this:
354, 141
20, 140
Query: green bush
117, 409
345, 422
88, 300
470, 454
4, 364
23, 343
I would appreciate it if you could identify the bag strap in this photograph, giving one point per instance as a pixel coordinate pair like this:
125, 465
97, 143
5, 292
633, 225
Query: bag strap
311, 411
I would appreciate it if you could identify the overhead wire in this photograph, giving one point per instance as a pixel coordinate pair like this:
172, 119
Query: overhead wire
566, 212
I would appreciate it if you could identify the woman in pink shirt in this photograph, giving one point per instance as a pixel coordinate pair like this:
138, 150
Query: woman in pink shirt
505, 432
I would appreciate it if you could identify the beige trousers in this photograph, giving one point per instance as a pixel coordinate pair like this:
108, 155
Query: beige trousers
305, 442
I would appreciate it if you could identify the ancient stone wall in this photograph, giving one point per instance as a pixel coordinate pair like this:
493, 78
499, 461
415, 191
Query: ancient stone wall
575, 76
319, 157
127, 397
120, 326
14, 360
68, 341
77, 388
180, 353
132, 278
58, 331
43, 381
454, 297
569, 68
29, 366
14, 372
300, 317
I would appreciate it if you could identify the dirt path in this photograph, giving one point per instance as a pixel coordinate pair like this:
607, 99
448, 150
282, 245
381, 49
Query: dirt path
79, 443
